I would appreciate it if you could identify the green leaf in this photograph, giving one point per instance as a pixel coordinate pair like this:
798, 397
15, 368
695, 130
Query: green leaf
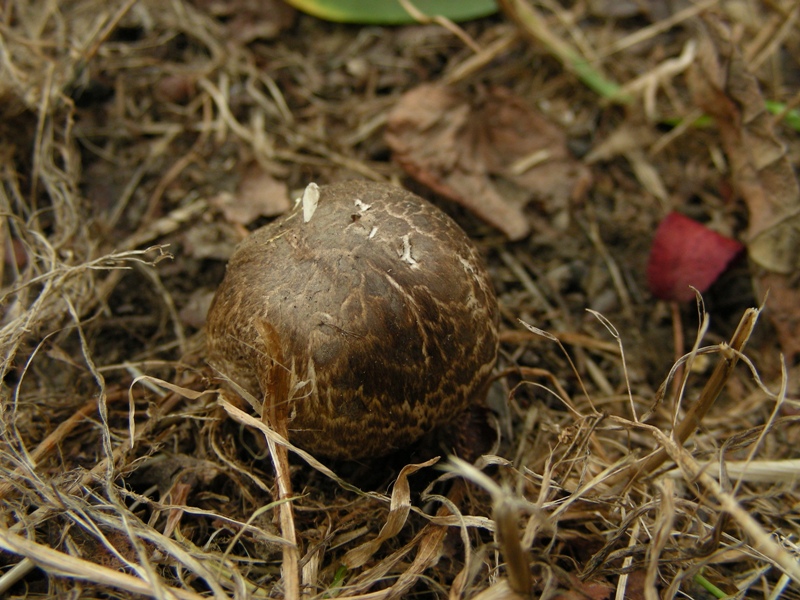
791, 117
391, 12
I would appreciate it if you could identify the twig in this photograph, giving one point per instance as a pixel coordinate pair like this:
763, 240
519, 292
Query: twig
711, 391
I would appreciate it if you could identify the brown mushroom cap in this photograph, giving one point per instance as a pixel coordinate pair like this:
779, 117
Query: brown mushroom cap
379, 306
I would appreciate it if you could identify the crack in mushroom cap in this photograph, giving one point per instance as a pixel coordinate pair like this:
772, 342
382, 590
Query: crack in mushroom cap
379, 307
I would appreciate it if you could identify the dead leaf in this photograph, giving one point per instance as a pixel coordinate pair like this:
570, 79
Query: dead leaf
274, 377
634, 589
761, 171
210, 240
492, 155
784, 309
584, 590
687, 254
500, 590
178, 494
196, 308
258, 195
627, 138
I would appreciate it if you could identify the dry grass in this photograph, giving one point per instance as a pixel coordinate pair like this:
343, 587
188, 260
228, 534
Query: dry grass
125, 472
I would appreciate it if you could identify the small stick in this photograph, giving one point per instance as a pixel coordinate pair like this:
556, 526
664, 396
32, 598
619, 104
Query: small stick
56, 436
678, 345
277, 382
713, 388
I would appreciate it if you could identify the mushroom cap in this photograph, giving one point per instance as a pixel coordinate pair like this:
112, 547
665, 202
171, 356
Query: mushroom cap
378, 309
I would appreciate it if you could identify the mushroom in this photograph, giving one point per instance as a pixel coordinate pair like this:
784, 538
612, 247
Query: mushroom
365, 317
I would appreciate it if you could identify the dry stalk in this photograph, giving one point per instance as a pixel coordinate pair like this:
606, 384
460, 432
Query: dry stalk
53, 560
280, 104
711, 391
760, 539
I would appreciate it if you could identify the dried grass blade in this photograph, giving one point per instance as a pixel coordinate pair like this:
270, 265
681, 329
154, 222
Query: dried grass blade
398, 513
242, 417
519, 574
505, 516
51, 441
711, 391
664, 527
183, 392
760, 539
428, 554
499, 591
59, 563
776, 472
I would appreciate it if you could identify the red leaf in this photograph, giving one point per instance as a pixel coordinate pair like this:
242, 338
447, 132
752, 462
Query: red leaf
687, 253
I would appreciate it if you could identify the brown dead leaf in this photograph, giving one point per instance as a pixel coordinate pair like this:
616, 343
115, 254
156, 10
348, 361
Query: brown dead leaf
492, 155
500, 590
258, 195
196, 308
634, 588
274, 377
762, 173
210, 240
784, 309
178, 494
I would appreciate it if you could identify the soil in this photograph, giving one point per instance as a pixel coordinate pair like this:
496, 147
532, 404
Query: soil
142, 141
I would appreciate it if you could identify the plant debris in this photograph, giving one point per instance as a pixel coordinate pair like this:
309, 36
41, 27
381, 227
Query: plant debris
493, 157
761, 171
686, 258
143, 140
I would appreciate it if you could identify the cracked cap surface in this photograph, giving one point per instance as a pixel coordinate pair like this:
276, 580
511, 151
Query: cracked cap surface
379, 310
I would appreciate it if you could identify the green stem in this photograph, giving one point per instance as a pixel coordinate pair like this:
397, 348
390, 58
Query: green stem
709, 587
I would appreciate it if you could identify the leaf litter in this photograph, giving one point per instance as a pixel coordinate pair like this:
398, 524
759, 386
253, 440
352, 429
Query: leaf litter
687, 257
762, 173
144, 139
493, 155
